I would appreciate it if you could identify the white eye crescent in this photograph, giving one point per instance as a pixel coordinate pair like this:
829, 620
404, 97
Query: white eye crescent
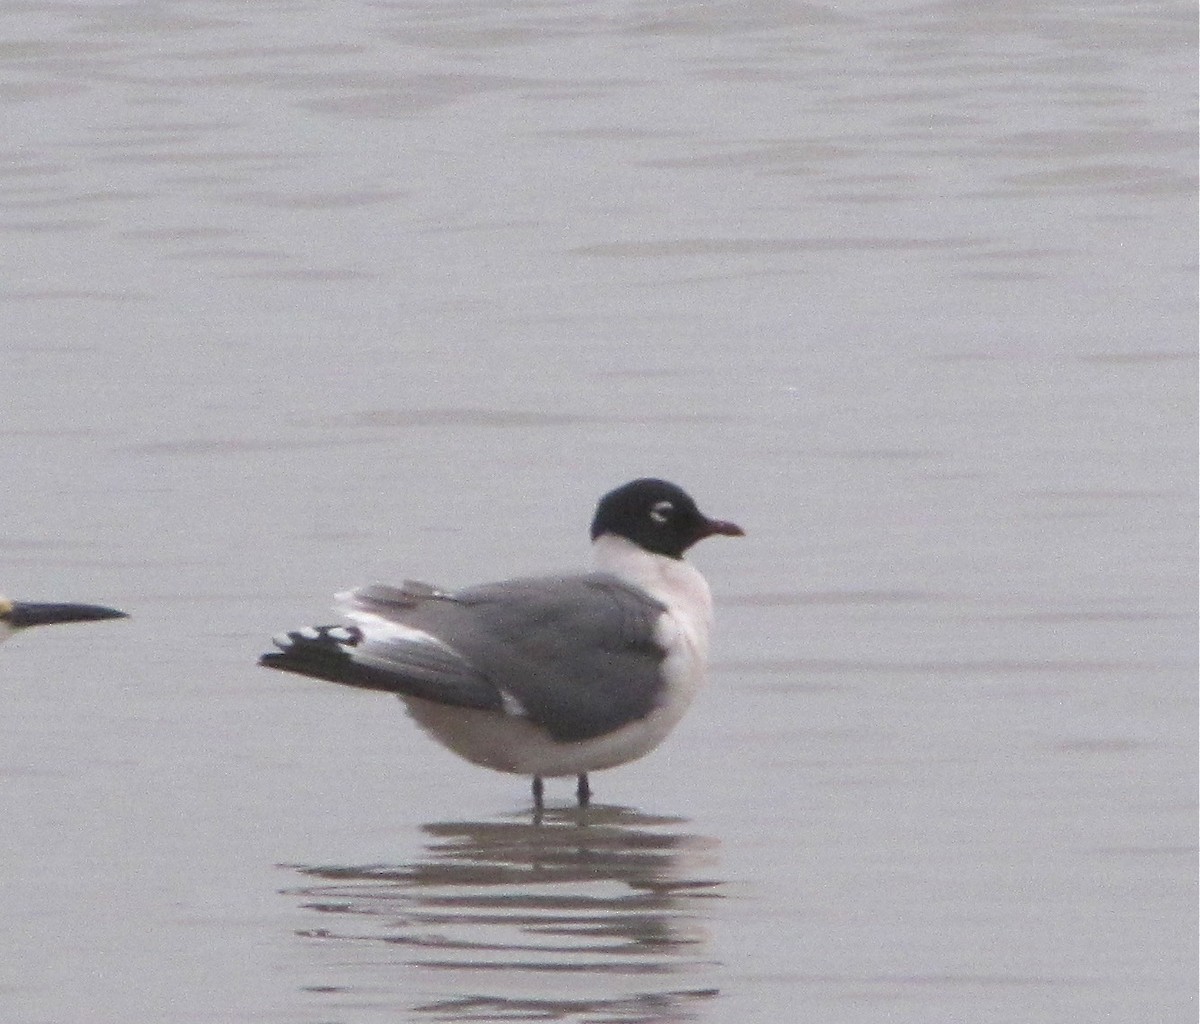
661, 511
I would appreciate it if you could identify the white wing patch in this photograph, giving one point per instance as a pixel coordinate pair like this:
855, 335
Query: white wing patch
512, 707
376, 627
387, 630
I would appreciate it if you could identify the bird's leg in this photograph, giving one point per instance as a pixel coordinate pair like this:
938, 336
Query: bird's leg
583, 790
537, 792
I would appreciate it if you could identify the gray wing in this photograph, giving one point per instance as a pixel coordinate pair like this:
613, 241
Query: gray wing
575, 655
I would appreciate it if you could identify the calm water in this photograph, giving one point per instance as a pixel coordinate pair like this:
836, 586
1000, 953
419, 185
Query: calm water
299, 295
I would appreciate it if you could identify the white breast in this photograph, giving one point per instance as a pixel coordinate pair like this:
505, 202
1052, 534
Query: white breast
683, 631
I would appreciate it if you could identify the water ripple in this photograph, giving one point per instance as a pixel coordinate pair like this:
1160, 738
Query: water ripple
597, 914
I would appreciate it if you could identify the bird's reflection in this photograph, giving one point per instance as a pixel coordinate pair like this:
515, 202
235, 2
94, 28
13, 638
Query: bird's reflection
596, 913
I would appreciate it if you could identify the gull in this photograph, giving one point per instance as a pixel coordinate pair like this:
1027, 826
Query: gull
545, 676
17, 615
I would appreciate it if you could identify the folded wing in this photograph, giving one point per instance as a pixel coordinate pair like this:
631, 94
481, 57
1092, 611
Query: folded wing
575, 655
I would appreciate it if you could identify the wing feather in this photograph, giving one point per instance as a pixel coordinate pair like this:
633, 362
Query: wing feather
577, 653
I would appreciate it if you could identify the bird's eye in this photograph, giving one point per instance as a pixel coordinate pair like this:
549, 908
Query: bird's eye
661, 511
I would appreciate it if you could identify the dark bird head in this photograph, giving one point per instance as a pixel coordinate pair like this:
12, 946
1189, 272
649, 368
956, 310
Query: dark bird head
658, 516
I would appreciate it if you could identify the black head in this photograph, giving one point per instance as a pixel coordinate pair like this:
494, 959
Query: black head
657, 516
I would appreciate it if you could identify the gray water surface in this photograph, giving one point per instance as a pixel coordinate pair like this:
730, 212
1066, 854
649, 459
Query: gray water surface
295, 296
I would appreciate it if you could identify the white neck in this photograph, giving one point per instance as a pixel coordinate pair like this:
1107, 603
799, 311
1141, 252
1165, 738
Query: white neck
671, 580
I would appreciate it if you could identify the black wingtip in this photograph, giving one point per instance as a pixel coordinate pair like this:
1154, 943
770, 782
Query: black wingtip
315, 647
326, 652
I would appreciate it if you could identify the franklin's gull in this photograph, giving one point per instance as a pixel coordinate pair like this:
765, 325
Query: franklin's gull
546, 676
15, 615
